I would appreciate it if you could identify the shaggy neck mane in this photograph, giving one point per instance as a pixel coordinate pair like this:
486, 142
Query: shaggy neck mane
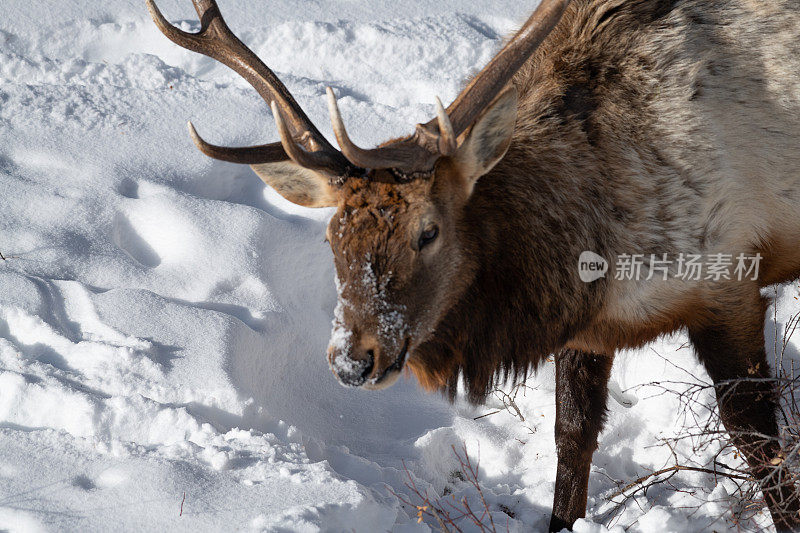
551, 198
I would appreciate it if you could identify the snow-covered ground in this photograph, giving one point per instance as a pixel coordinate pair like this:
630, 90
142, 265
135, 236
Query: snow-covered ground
163, 317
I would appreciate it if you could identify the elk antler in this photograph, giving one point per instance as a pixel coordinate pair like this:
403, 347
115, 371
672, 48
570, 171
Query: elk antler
493, 78
300, 139
439, 136
305, 145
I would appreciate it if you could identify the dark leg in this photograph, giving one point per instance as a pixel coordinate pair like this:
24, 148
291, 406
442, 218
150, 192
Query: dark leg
731, 346
581, 393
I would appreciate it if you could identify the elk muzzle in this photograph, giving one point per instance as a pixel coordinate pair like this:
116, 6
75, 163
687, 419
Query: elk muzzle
366, 363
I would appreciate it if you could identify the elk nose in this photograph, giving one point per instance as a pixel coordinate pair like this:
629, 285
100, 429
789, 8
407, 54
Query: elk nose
359, 366
369, 365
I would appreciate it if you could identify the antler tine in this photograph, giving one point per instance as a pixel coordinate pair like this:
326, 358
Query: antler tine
319, 160
490, 81
374, 158
249, 155
184, 39
217, 41
447, 137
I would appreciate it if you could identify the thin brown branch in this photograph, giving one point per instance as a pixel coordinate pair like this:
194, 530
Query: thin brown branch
674, 469
447, 512
472, 477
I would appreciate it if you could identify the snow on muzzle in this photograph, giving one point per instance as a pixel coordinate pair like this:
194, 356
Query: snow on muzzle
365, 362
370, 338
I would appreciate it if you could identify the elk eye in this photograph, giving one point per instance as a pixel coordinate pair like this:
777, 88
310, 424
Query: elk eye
427, 237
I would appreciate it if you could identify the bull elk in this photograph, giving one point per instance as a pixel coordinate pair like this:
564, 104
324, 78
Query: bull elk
618, 127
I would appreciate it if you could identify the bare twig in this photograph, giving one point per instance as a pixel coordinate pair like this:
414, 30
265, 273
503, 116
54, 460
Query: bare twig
448, 512
673, 469
472, 477
703, 431
510, 404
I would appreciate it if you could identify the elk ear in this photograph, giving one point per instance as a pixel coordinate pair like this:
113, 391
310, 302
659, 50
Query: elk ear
489, 138
297, 184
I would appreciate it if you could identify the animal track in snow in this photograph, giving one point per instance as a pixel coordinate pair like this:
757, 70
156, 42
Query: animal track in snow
129, 241
83, 481
128, 188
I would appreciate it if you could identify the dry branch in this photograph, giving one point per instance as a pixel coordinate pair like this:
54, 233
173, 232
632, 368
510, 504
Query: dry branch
703, 431
449, 512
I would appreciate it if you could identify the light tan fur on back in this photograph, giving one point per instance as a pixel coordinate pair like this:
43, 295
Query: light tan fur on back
699, 131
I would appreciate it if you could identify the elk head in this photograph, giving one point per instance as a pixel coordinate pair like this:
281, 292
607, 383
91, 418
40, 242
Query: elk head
395, 237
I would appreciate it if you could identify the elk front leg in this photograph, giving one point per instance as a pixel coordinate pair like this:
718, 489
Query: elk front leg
731, 348
581, 394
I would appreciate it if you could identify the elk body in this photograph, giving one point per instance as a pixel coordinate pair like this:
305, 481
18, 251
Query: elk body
612, 126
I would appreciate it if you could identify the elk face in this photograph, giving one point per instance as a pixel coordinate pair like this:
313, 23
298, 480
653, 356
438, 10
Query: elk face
397, 234
396, 252
399, 256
